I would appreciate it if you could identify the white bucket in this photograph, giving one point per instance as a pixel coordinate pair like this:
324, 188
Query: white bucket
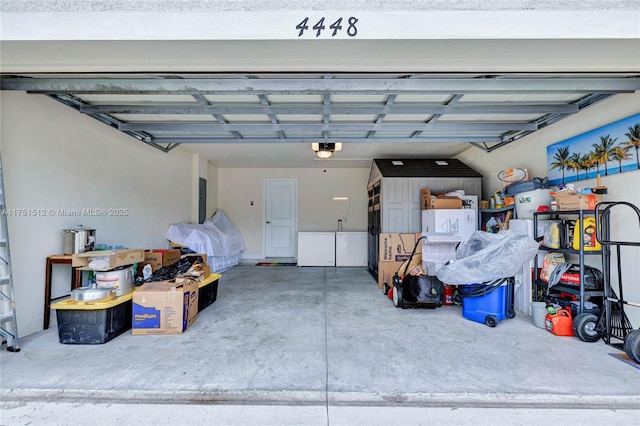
539, 313
527, 203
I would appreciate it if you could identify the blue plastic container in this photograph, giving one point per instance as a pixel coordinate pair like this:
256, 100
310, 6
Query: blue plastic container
495, 303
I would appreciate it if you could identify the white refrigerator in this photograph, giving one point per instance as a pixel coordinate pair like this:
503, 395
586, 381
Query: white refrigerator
351, 248
316, 249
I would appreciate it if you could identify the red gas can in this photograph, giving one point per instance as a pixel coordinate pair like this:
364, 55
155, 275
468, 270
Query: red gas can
447, 294
560, 322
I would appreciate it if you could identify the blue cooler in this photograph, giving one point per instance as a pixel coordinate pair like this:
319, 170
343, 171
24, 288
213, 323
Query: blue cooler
488, 303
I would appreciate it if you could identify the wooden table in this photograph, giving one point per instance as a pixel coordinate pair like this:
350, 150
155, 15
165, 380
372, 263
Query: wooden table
76, 281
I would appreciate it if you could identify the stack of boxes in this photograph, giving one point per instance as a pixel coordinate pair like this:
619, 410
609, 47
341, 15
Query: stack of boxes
447, 221
97, 323
172, 306
160, 307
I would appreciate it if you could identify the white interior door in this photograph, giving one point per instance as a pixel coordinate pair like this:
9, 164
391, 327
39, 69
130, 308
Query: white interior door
280, 217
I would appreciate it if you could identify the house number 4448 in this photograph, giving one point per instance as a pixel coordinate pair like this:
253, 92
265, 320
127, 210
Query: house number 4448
349, 26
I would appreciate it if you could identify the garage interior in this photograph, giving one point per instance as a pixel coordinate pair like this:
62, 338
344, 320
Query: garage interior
135, 122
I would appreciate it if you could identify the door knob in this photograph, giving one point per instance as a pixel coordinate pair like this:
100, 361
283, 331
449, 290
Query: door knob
268, 221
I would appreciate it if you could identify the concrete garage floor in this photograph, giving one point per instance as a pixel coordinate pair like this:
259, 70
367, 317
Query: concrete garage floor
289, 345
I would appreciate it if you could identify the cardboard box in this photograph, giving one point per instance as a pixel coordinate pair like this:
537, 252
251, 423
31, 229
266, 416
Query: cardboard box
440, 202
425, 198
462, 223
571, 201
164, 307
395, 249
110, 258
386, 270
159, 258
445, 203
198, 271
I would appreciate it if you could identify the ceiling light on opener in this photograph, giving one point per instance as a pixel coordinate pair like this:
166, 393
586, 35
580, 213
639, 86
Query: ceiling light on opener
325, 149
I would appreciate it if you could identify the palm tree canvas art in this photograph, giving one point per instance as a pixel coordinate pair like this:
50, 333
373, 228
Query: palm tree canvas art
606, 150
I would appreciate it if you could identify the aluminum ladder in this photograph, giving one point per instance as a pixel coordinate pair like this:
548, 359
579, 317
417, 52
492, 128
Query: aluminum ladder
8, 323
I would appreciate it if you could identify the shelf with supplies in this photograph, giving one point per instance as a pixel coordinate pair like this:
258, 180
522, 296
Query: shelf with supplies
587, 246
484, 215
571, 251
586, 294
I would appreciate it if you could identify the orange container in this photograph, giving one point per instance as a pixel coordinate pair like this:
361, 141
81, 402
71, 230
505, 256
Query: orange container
560, 323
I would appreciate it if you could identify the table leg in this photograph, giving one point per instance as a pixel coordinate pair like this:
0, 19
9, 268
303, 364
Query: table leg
47, 295
76, 278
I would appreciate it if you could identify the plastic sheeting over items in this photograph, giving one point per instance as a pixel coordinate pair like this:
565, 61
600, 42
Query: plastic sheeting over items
217, 237
489, 257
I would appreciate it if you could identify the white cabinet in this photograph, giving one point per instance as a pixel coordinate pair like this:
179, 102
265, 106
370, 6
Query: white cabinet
351, 249
316, 249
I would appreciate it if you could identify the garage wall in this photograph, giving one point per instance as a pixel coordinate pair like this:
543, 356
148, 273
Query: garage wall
531, 153
317, 211
212, 189
57, 159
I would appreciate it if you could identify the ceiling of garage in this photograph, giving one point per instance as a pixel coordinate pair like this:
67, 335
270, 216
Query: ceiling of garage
241, 85
403, 113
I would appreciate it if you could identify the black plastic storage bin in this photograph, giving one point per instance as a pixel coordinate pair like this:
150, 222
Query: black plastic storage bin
207, 294
93, 326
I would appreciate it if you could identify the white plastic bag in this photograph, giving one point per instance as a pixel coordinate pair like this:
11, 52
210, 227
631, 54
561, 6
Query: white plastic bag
489, 257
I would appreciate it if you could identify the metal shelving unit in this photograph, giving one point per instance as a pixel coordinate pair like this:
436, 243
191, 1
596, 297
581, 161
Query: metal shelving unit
482, 213
8, 323
582, 294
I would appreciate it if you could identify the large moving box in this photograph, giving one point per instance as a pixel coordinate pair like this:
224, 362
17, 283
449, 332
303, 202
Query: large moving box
461, 223
394, 250
164, 307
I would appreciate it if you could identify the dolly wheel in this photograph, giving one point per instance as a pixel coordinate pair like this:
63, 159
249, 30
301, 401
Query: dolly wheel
632, 345
385, 288
491, 320
584, 326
